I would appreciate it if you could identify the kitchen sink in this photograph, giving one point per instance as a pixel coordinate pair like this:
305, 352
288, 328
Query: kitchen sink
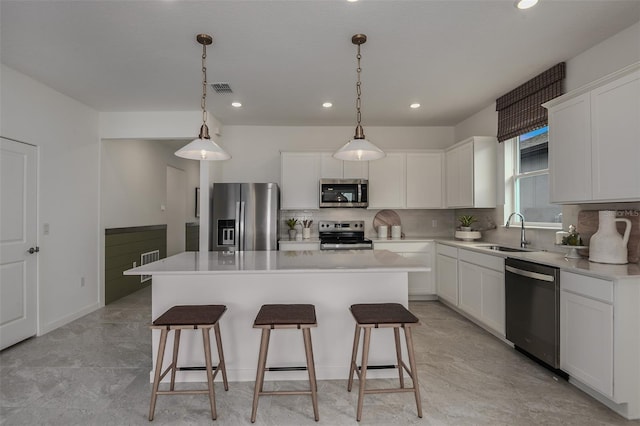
503, 248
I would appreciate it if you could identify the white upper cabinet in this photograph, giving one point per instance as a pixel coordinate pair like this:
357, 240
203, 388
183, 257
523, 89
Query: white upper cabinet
569, 162
406, 180
387, 182
594, 140
330, 167
470, 170
300, 174
355, 169
337, 169
615, 139
411, 180
299, 180
424, 180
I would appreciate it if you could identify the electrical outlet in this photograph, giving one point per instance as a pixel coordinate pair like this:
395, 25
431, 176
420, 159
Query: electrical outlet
81, 281
45, 229
434, 223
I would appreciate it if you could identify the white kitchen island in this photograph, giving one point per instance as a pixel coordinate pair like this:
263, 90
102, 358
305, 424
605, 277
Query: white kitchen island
244, 281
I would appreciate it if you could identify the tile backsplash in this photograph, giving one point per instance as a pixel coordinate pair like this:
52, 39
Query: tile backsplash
443, 223
415, 223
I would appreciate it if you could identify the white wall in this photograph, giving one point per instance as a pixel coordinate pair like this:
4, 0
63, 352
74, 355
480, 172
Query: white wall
482, 123
66, 133
255, 150
133, 182
161, 125
612, 54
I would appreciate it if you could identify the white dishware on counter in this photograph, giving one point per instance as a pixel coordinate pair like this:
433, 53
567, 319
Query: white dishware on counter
607, 245
383, 231
396, 232
468, 235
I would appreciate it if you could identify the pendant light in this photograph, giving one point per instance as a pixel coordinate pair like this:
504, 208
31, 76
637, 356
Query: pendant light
359, 148
203, 148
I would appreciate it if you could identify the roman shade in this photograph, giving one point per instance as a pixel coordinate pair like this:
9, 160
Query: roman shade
521, 111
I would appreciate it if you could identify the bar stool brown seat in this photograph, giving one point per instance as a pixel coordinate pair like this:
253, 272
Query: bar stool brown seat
273, 317
189, 317
383, 315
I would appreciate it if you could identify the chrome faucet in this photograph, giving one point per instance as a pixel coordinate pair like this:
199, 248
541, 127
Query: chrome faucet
523, 240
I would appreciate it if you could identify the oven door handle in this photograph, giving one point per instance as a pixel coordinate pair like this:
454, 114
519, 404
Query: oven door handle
530, 274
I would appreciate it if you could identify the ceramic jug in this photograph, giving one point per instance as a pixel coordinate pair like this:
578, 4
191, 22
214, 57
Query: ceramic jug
607, 245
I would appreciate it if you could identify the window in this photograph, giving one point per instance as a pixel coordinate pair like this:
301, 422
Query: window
527, 179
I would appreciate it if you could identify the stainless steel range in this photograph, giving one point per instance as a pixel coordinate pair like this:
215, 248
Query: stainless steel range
343, 235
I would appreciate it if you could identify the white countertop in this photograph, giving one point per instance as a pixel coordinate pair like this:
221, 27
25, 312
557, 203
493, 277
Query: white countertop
580, 266
254, 262
403, 240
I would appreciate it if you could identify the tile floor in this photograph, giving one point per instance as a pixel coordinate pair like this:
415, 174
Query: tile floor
95, 371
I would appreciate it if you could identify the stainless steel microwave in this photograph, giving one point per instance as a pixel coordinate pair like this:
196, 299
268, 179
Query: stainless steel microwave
344, 193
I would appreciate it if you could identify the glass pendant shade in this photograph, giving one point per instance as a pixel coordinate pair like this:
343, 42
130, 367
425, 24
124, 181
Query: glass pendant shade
203, 148
359, 150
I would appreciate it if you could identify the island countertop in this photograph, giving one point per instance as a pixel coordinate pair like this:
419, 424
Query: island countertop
261, 262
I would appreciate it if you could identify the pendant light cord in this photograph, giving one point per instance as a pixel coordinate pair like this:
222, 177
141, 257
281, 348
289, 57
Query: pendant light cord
203, 101
358, 89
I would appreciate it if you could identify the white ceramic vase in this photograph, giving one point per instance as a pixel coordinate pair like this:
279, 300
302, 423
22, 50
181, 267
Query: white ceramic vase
607, 245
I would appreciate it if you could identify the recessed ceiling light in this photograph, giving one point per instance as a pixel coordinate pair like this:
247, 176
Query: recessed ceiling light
327, 105
352, 1
526, 4
416, 105
236, 104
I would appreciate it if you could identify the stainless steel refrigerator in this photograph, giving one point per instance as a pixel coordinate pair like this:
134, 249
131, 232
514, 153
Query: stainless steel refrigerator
244, 216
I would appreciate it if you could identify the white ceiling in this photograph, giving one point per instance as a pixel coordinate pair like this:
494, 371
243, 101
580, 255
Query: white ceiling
284, 58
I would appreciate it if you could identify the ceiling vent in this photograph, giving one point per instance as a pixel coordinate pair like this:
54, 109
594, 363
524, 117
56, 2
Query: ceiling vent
221, 87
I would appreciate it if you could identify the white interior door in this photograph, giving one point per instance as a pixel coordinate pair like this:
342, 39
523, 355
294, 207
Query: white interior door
176, 210
18, 237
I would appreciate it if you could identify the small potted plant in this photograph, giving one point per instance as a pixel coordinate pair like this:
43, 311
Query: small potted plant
291, 223
466, 221
306, 228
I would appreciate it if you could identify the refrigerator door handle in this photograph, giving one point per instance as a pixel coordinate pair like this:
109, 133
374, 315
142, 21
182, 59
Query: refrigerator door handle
236, 242
241, 218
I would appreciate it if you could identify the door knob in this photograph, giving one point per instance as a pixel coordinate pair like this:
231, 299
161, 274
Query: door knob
34, 250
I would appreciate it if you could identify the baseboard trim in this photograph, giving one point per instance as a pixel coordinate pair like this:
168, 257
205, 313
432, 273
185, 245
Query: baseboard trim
422, 297
46, 328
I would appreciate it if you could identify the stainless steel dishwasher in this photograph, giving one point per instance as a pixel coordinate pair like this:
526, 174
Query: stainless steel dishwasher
532, 296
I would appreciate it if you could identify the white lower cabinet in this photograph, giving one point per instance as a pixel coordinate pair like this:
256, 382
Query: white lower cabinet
599, 338
481, 288
586, 330
421, 284
447, 273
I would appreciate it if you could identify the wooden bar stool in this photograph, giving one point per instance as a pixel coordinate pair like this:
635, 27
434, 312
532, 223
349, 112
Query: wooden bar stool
383, 315
272, 317
189, 317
